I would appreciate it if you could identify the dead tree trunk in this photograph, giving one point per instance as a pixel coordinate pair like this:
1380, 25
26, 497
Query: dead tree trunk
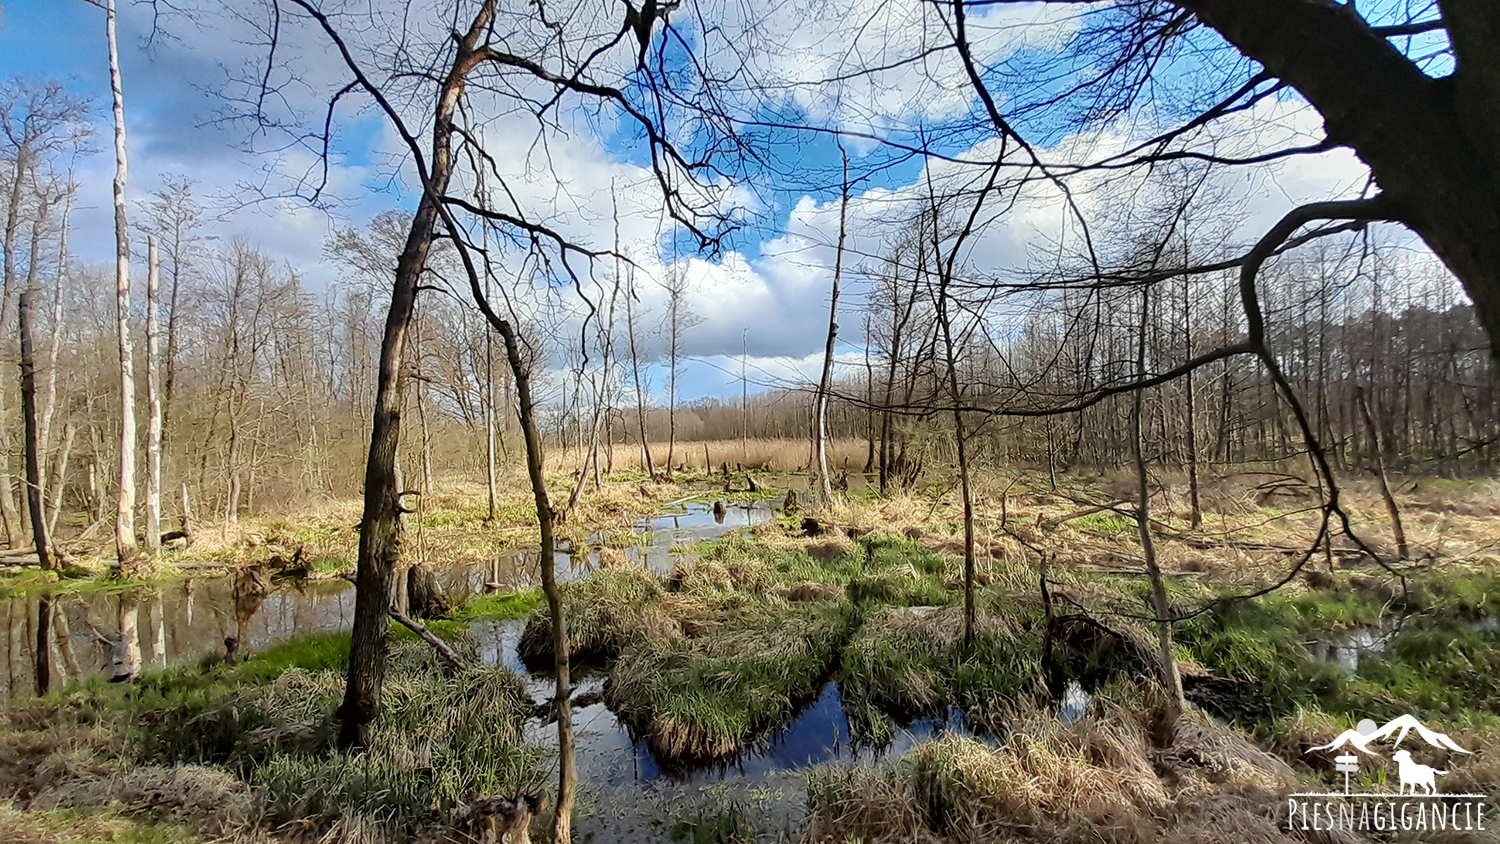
635, 369
125, 547
59, 477
54, 347
10, 518
825, 382
153, 407
34, 491
1195, 516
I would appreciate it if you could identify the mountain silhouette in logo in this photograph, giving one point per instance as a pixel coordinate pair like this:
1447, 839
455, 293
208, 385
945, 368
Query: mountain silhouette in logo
1350, 737
1405, 724
1400, 727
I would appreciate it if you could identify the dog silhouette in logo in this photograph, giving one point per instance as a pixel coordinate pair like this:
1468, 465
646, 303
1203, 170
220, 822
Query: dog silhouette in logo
1413, 774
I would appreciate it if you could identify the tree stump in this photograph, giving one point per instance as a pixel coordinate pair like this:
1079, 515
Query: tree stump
423, 594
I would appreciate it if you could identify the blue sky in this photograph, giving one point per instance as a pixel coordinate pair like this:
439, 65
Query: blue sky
773, 278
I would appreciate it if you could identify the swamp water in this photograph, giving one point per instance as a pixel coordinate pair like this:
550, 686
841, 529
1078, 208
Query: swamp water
626, 793
187, 621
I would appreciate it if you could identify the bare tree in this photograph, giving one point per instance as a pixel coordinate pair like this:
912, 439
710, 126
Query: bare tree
153, 405
635, 371
175, 220
676, 321
35, 492
37, 121
1160, 606
825, 381
125, 547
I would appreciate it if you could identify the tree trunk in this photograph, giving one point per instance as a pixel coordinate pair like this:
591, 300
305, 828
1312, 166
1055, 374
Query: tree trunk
34, 491
955, 395
489, 422
59, 477
825, 382
1171, 678
673, 350
567, 773
187, 515
125, 547
50, 406
172, 332
869, 402
1195, 516
1377, 447
380, 526
635, 369
153, 407
10, 518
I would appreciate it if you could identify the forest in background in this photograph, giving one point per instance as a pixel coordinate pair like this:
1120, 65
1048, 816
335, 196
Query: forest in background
267, 384
1028, 420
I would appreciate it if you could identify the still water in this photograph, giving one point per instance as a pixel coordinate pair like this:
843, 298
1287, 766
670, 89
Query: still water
190, 620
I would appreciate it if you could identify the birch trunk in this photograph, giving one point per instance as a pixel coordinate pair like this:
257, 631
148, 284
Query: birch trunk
153, 405
125, 546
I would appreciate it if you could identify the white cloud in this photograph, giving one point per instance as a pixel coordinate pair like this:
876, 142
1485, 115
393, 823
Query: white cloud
567, 177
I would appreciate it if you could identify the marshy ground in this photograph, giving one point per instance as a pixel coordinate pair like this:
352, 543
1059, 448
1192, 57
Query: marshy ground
774, 685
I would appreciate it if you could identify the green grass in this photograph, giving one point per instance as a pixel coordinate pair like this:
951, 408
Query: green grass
97, 826
1106, 523
1439, 662
896, 571
707, 697
498, 606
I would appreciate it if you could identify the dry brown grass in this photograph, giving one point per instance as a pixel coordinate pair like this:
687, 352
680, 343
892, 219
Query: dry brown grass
1101, 779
18, 827
760, 455
449, 526
206, 799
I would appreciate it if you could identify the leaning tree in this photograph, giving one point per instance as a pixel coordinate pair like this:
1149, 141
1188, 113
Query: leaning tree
512, 69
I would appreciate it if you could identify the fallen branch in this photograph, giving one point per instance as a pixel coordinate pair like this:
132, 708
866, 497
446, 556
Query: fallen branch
1078, 514
447, 653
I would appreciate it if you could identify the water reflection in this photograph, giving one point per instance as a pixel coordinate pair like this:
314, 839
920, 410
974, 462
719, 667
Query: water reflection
610, 756
118, 634
171, 625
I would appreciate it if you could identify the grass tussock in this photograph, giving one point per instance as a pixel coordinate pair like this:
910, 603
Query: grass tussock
910, 661
1100, 779
241, 752
606, 613
707, 697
